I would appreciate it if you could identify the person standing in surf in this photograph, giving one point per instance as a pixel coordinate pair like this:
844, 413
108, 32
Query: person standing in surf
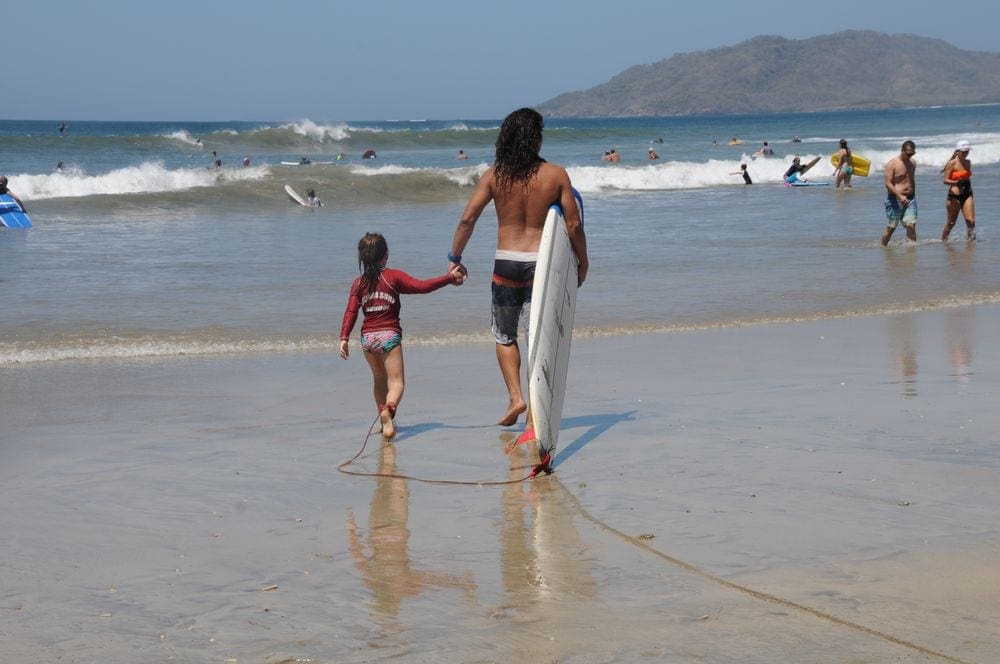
522, 186
376, 292
958, 177
901, 191
844, 166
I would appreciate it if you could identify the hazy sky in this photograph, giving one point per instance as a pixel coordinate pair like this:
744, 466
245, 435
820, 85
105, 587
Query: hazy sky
388, 59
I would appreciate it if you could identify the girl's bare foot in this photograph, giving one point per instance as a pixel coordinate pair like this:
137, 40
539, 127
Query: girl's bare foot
510, 417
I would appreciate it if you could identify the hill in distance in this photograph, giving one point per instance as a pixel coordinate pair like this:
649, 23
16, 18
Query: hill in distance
849, 70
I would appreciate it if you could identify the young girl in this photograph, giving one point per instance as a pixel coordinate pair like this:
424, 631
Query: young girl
377, 292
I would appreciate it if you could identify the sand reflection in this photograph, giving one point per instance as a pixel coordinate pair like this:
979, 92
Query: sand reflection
901, 335
386, 567
543, 563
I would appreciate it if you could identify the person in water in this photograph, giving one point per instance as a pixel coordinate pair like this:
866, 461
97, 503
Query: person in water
314, 200
795, 171
901, 191
304, 160
744, 173
376, 294
521, 186
652, 154
844, 166
958, 177
765, 151
461, 155
5, 190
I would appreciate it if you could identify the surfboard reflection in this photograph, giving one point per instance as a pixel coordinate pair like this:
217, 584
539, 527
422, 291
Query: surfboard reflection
543, 572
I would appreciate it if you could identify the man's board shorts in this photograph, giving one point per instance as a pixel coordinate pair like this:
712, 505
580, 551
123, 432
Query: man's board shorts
380, 341
895, 212
513, 276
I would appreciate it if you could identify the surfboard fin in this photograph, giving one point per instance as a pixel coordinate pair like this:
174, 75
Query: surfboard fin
544, 467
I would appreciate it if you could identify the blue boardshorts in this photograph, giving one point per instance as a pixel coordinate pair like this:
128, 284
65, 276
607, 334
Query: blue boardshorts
895, 212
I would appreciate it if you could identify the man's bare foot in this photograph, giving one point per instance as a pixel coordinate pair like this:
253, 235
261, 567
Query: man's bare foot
510, 417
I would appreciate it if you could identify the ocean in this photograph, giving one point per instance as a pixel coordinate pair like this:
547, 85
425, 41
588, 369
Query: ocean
141, 248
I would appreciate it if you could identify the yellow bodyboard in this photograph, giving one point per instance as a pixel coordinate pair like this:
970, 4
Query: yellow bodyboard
860, 164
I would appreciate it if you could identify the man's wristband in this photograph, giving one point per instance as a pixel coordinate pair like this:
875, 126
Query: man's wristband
457, 260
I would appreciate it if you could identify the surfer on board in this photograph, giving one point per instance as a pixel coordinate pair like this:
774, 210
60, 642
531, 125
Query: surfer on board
522, 186
5, 190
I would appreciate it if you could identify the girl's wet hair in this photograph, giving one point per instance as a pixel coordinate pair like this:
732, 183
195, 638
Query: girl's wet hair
372, 248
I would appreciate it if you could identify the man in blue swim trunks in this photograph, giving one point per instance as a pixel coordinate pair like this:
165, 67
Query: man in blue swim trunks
522, 186
901, 192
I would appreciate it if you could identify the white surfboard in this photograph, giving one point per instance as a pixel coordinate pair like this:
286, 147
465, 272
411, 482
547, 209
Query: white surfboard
295, 196
553, 305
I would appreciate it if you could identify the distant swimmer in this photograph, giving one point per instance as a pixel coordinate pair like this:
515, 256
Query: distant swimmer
62, 129
304, 160
461, 155
368, 154
656, 140
246, 161
606, 156
5, 190
796, 140
314, 200
744, 173
59, 167
613, 156
652, 154
765, 151
340, 155
735, 141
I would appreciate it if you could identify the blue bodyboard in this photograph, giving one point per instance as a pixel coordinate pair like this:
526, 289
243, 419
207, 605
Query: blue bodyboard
11, 214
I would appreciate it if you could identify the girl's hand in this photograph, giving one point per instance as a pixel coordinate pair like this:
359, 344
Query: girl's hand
344, 350
458, 275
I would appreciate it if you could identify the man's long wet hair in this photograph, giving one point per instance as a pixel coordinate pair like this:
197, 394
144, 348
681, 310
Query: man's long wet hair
371, 250
517, 146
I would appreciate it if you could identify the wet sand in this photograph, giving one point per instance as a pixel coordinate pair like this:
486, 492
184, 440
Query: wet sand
822, 492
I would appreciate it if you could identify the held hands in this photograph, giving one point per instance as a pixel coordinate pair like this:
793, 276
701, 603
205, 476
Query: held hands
344, 350
458, 273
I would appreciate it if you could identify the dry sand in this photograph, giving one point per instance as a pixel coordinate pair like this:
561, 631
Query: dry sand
817, 492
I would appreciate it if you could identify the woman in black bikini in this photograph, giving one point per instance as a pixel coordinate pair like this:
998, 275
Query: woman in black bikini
958, 177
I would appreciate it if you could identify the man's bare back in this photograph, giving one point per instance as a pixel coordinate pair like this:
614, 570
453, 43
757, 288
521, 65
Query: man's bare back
521, 210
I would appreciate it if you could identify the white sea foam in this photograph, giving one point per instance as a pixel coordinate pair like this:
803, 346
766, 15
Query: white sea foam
320, 132
464, 176
149, 177
183, 136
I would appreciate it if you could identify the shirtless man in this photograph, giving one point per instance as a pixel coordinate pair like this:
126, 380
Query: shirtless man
522, 186
901, 191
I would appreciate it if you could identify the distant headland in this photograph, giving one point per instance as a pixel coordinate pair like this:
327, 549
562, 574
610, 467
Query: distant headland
851, 70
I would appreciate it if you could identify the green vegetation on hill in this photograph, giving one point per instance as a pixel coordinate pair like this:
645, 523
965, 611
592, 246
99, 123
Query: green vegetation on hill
847, 70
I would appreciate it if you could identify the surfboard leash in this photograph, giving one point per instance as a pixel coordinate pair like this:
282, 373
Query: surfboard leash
543, 467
